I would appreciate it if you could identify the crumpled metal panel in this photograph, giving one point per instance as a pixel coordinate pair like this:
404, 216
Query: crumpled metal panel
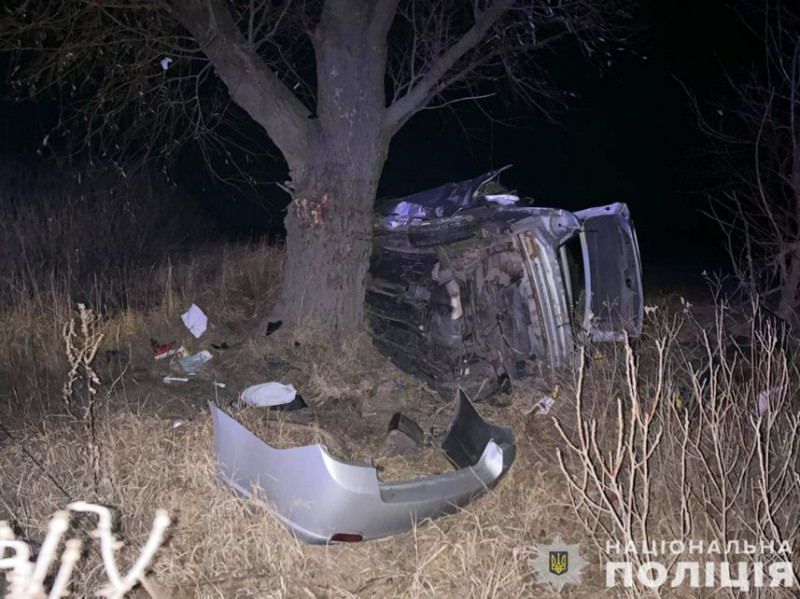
444, 200
319, 496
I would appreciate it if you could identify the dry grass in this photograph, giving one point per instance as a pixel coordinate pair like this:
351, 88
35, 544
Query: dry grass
224, 546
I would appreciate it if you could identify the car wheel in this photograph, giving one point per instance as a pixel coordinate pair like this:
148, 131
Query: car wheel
442, 231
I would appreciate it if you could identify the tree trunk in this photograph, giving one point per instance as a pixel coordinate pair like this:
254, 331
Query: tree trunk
328, 242
329, 221
335, 155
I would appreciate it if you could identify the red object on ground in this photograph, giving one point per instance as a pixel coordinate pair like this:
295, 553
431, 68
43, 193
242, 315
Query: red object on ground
162, 349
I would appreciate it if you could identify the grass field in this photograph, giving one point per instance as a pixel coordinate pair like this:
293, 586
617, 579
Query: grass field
664, 443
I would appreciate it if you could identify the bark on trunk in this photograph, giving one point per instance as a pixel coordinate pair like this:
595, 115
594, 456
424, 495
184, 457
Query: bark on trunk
329, 238
329, 222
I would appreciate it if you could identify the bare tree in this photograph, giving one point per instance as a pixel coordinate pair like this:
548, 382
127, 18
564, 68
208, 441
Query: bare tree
328, 81
760, 129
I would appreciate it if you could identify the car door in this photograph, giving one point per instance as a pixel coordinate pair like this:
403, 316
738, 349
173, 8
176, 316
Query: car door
614, 303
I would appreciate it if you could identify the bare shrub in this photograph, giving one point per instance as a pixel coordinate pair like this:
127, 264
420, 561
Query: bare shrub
758, 143
27, 579
703, 446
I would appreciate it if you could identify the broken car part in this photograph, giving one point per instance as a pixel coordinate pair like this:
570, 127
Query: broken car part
271, 395
324, 499
464, 291
404, 424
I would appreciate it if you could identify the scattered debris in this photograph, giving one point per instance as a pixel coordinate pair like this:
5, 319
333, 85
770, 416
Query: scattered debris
176, 379
273, 326
327, 500
165, 350
191, 363
268, 395
405, 436
219, 385
397, 443
503, 199
543, 405
178, 422
195, 320
765, 398
404, 424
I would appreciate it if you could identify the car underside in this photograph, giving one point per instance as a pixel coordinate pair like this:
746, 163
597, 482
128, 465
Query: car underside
471, 288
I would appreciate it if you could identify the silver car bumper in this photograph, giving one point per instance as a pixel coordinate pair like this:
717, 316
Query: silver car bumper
324, 499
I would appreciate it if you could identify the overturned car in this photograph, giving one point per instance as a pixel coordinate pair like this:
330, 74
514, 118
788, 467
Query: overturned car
471, 288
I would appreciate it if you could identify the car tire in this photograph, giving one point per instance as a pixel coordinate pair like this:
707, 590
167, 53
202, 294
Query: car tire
442, 231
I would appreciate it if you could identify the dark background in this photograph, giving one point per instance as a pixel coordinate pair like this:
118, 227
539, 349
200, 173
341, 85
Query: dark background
629, 135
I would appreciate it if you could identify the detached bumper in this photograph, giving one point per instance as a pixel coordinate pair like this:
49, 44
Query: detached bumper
324, 499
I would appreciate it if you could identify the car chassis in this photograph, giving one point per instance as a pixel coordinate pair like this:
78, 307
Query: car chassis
468, 289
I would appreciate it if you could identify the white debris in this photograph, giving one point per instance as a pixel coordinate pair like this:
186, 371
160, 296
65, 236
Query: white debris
195, 320
765, 398
175, 379
543, 405
165, 62
268, 394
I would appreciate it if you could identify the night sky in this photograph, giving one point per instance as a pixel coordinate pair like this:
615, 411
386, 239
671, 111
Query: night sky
630, 135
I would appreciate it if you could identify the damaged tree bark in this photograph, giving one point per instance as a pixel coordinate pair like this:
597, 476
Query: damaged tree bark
329, 221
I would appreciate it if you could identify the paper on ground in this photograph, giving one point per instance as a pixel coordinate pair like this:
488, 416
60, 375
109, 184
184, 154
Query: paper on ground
195, 320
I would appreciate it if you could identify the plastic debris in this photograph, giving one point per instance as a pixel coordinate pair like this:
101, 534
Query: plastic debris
175, 379
298, 403
405, 436
765, 398
273, 395
195, 320
543, 405
398, 443
408, 427
191, 363
169, 349
218, 384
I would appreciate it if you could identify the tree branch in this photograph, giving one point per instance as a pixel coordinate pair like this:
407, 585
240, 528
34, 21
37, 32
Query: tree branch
251, 84
418, 96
